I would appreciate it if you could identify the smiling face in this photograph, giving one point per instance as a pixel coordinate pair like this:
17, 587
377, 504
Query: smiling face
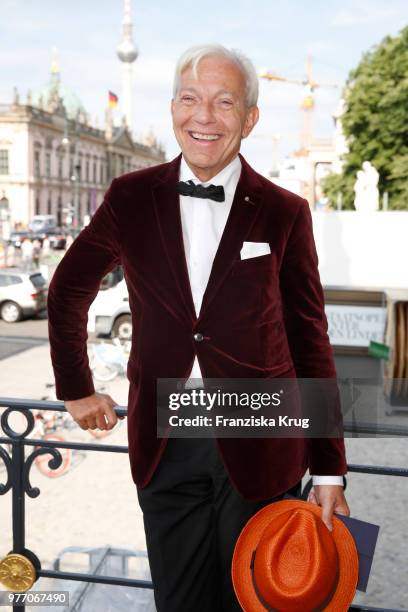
210, 116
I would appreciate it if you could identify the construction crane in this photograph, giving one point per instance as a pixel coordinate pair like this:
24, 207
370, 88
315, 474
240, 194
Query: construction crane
307, 106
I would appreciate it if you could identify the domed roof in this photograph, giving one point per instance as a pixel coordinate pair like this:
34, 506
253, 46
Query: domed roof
54, 92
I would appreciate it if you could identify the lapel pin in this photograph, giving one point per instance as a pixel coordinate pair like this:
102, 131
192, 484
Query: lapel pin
249, 201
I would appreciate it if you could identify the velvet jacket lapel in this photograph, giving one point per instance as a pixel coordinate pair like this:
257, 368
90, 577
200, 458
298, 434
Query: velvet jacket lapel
244, 210
167, 207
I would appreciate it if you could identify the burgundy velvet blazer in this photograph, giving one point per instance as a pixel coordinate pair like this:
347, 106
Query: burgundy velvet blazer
262, 317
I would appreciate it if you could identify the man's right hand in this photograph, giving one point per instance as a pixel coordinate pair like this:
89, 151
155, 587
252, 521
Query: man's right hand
94, 411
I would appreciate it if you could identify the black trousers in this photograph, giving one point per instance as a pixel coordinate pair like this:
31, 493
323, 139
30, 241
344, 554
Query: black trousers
192, 517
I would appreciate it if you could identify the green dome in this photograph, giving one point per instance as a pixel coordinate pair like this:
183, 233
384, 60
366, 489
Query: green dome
54, 90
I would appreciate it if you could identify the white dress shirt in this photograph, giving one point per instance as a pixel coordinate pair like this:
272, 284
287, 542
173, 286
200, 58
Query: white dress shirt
203, 223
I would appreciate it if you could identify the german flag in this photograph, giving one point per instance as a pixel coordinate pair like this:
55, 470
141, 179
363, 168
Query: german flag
112, 99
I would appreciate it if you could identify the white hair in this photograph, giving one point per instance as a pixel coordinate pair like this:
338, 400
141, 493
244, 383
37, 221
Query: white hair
193, 56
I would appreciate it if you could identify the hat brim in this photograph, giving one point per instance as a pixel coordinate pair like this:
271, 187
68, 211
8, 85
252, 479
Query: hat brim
248, 541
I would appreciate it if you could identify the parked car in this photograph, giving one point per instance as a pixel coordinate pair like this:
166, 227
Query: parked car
42, 223
109, 313
22, 294
112, 278
57, 238
16, 238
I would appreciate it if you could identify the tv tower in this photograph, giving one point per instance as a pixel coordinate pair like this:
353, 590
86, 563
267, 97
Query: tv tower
127, 53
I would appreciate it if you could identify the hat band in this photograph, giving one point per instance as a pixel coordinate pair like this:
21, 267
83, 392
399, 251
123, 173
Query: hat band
261, 599
265, 604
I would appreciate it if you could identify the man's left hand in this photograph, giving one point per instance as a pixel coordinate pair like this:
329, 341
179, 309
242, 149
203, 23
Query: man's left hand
331, 498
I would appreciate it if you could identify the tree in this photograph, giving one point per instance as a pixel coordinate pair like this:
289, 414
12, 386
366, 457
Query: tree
375, 123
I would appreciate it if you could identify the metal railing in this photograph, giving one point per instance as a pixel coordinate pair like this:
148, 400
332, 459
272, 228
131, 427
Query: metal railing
27, 564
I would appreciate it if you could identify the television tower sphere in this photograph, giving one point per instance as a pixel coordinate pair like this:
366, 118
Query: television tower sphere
127, 51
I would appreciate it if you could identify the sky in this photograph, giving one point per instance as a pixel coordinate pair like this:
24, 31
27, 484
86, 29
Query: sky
276, 34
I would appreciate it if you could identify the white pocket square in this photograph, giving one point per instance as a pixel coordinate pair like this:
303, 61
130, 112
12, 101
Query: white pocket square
254, 249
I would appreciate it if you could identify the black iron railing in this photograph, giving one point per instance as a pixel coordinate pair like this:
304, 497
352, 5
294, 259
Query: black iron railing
17, 480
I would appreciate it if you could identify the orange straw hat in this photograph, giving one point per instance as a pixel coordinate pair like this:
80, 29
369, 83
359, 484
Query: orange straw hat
286, 560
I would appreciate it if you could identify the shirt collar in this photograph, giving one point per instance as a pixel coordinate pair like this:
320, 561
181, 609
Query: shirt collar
228, 177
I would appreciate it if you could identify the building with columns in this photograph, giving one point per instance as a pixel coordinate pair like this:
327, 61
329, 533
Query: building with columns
54, 160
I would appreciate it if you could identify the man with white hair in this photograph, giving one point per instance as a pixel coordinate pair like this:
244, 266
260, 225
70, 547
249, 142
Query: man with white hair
222, 274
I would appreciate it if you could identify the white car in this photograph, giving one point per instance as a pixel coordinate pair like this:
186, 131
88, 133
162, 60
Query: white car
109, 313
22, 294
42, 223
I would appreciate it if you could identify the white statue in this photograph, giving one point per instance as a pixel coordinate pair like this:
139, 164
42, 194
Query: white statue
366, 189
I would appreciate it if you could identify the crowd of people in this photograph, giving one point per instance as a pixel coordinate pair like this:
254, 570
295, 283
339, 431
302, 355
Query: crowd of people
32, 253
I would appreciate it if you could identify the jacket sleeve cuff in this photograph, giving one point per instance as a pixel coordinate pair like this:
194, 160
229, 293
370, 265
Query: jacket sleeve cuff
77, 388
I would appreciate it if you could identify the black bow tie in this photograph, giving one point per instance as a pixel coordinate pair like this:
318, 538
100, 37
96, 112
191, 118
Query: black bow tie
212, 192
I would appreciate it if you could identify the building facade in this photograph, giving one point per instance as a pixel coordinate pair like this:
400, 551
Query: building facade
52, 161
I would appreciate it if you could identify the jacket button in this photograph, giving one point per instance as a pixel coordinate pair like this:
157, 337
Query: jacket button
198, 337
